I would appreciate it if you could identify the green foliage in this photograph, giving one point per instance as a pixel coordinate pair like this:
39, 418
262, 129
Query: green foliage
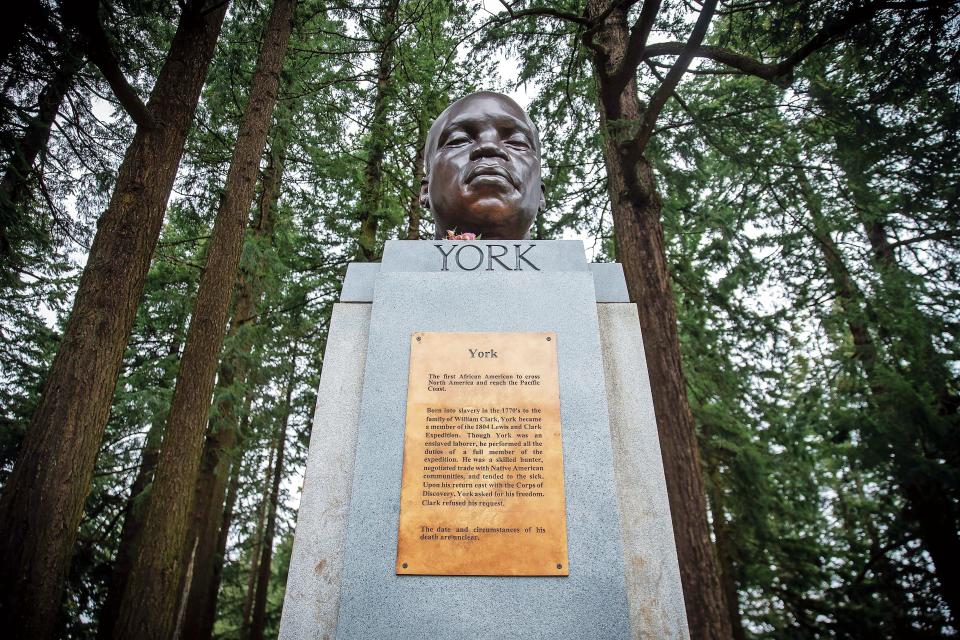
811, 234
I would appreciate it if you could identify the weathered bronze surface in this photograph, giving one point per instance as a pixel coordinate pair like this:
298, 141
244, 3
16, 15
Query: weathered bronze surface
482, 169
482, 490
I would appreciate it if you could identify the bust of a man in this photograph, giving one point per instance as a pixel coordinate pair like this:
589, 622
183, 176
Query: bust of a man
482, 169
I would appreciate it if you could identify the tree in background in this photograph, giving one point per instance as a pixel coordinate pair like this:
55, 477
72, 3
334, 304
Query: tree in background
148, 606
618, 45
808, 229
43, 498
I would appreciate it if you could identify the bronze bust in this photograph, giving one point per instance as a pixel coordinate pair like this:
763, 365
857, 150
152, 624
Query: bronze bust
482, 169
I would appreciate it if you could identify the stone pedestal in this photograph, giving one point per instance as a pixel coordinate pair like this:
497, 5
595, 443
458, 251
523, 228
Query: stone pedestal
623, 576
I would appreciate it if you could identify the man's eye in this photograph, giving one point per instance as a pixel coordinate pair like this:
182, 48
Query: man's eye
456, 140
518, 141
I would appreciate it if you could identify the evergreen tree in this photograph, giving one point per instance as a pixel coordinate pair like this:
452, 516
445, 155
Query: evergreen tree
43, 498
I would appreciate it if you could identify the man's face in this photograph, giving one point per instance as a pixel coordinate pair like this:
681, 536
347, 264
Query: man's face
484, 175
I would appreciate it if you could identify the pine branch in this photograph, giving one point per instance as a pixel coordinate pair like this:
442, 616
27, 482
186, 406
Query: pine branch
670, 82
637, 43
781, 73
84, 16
544, 12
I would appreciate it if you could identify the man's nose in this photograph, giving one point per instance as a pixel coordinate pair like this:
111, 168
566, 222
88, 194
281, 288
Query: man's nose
488, 146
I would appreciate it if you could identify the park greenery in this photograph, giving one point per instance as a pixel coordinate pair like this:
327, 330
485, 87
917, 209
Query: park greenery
184, 183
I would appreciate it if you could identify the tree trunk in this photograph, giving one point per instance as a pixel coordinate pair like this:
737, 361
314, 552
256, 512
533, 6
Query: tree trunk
927, 502
255, 553
132, 525
222, 440
371, 196
43, 500
133, 510
640, 248
726, 560
149, 603
415, 210
13, 185
259, 617
226, 520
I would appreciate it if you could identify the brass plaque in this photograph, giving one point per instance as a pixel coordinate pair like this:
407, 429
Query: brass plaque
482, 491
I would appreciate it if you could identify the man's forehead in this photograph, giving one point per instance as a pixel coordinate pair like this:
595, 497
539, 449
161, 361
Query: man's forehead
470, 119
484, 103
481, 105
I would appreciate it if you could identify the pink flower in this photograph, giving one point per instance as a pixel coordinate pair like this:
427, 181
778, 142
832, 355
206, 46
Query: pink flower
453, 235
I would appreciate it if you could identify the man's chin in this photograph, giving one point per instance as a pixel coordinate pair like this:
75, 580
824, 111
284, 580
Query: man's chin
491, 221
486, 227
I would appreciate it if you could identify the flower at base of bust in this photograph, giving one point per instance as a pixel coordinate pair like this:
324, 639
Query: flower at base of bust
453, 235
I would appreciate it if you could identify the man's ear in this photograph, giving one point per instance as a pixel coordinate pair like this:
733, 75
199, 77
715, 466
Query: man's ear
424, 196
543, 197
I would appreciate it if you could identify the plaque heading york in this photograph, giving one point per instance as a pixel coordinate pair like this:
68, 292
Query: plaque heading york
486, 257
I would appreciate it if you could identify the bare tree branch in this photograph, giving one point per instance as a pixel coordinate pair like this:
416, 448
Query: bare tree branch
84, 16
673, 77
637, 44
545, 12
943, 234
738, 61
781, 73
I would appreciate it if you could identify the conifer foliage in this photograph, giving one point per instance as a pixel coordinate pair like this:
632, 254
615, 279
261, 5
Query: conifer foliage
183, 184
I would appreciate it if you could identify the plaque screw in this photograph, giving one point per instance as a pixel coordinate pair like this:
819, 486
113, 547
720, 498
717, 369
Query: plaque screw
418, 338
559, 566
548, 340
404, 565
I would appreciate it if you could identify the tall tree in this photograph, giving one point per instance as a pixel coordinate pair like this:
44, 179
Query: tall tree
256, 542
371, 192
909, 380
618, 46
43, 500
14, 189
259, 615
221, 446
149, 604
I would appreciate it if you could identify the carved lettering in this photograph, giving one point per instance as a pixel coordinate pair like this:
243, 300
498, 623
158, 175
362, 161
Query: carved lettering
520, 256
491, 253
491, 256
445, 255
479, 257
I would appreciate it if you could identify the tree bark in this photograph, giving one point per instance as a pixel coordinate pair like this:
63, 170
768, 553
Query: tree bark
259, 617
132, 525
43, 500
726, 561
14, 184
414, 209
926, 501
640, 248
222, 441
255, 553
149, 604
133, 510
371, 196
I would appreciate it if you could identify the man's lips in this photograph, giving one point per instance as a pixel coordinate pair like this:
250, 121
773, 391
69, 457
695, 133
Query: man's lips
490, 170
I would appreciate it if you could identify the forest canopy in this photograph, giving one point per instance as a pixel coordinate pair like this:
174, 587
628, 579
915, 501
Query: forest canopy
183, 184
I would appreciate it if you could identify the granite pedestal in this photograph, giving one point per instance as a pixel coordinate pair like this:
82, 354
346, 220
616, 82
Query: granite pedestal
624, 581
